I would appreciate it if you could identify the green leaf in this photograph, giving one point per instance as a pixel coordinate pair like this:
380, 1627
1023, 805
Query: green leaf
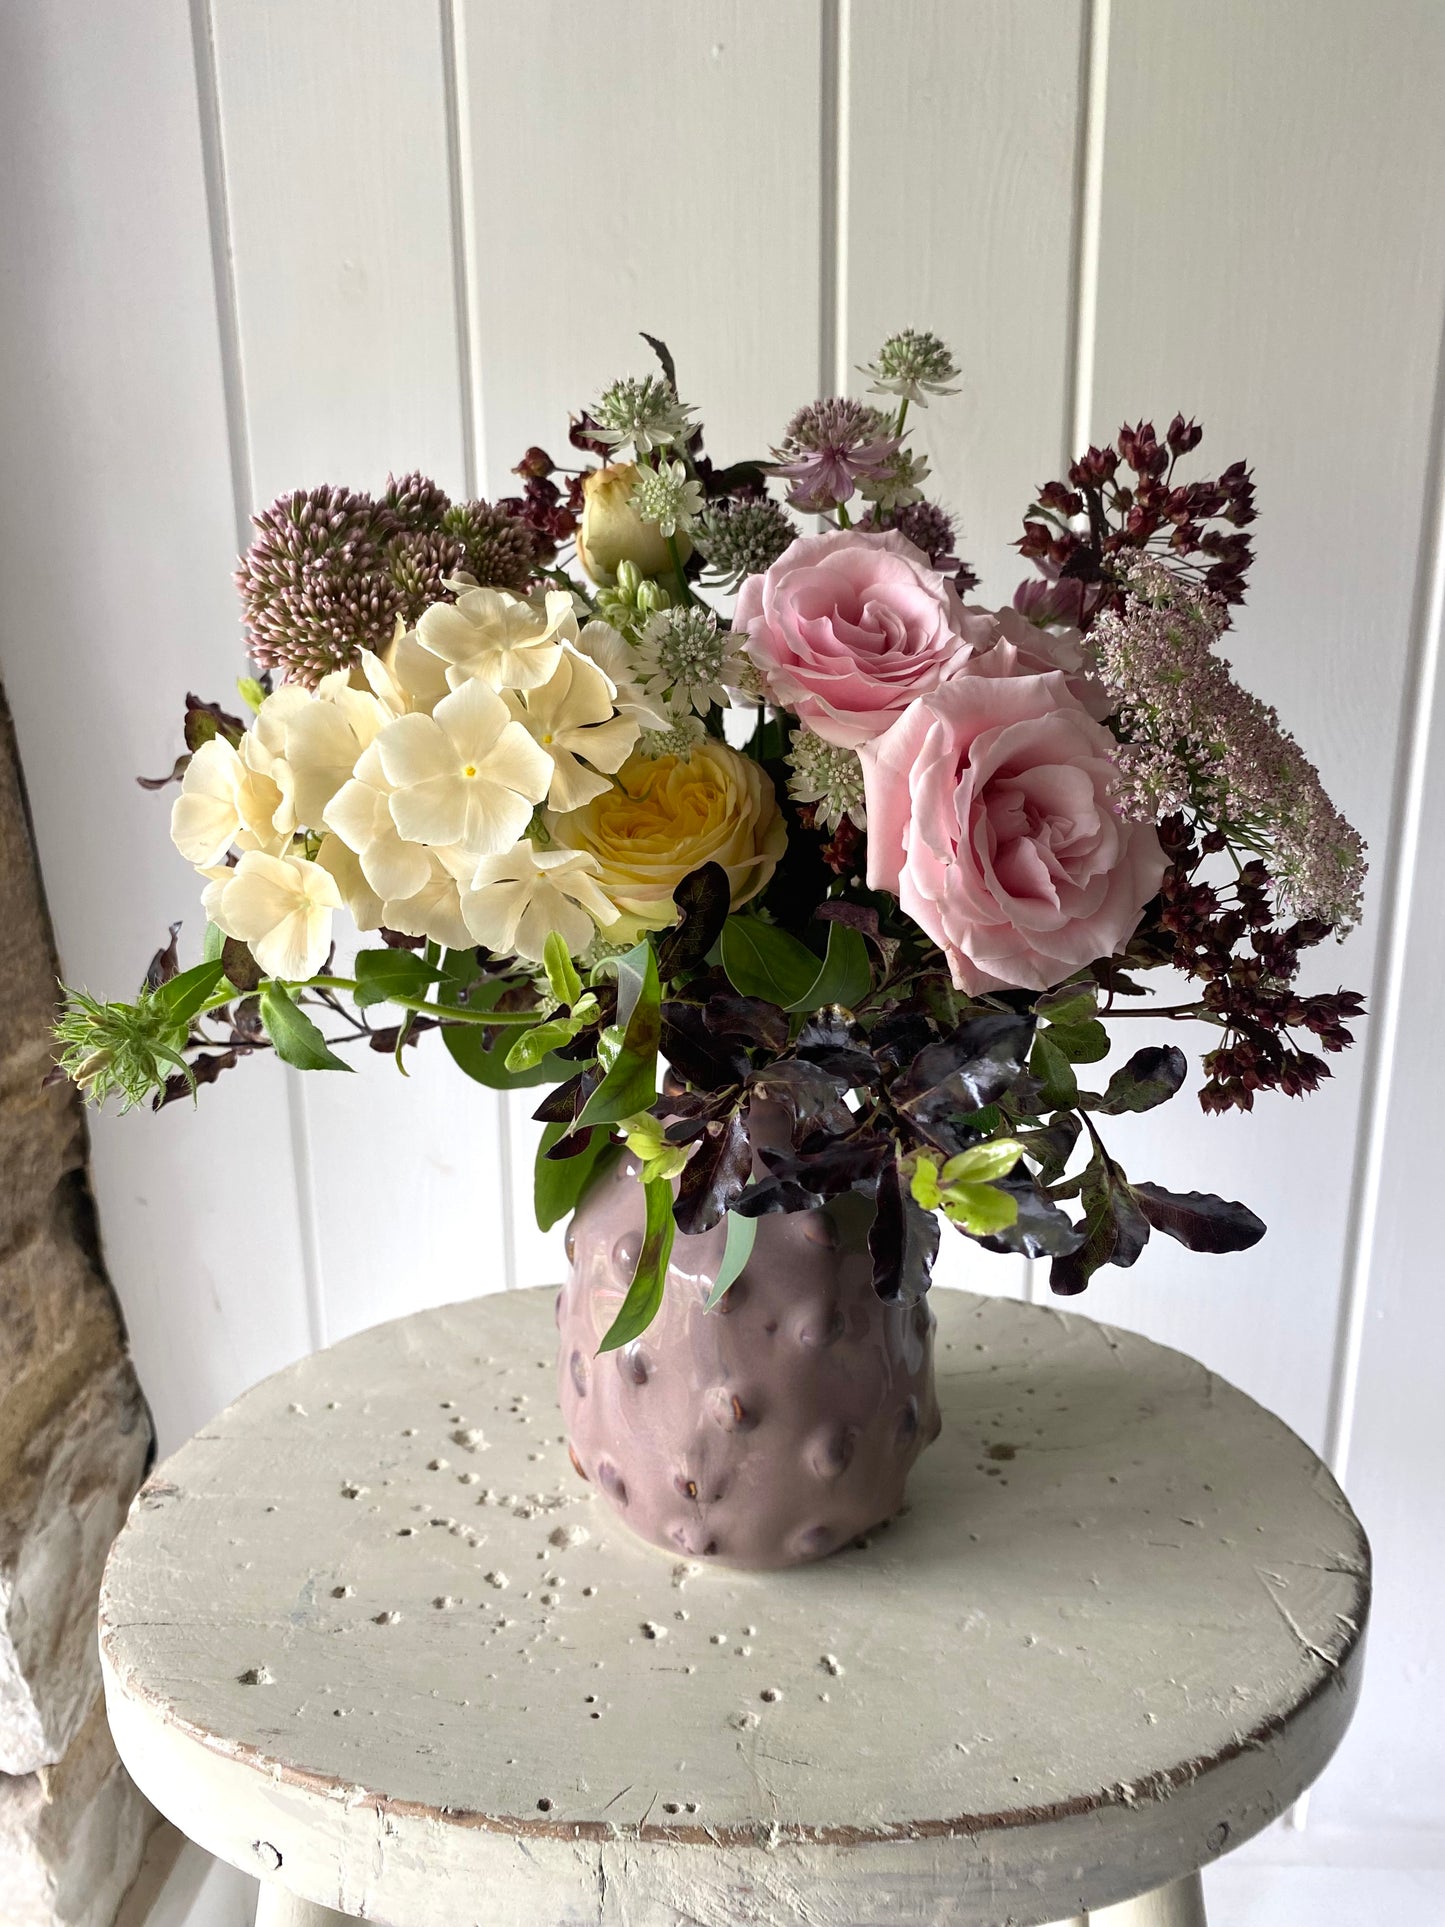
763, 961
562, 976
631, 1081
466, 1045
528, 1049
296, 1038
980, 1209
736, 1252
1054, 1071
983, 1162
1081, 1043
212, 943
845, 977
560, 1182
184, 995
384, 974
251, 692
1069, 1004
1150, 1077
644, 1294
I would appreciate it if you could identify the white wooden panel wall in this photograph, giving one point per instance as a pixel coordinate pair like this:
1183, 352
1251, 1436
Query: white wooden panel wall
257, 243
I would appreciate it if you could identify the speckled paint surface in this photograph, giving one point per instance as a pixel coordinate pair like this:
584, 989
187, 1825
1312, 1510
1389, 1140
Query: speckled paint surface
767, 1432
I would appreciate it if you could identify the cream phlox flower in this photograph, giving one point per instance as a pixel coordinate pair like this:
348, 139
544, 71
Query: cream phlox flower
517, 898
465, 774
321, 739
224, 801
281, 907
360, 814
363, 905
407, 677
602, 644
502, 640
435, 909
573, 718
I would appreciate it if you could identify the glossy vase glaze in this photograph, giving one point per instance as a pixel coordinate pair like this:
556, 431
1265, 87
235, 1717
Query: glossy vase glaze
767, 1432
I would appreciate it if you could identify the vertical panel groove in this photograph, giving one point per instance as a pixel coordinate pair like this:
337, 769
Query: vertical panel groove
459, 195
1397, 881
461, 188
208, 108
833, 36
238, 443
1088, 208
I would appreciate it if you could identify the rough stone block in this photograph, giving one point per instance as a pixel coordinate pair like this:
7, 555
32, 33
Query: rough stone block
72, 1836
61, 1505
58, 1323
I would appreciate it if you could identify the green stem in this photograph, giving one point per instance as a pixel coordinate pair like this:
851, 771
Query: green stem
453, 1013
1166, 1010
902, 416
844, 520
676, 558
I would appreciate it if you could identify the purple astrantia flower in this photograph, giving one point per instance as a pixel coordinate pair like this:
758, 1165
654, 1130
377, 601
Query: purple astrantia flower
931, 529
1195, 738
830, 448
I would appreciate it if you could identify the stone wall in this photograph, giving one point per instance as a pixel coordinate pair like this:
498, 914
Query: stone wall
74, 1441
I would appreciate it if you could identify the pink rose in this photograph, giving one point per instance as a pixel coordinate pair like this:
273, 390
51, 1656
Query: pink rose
1001, 642
846, 629
990, 817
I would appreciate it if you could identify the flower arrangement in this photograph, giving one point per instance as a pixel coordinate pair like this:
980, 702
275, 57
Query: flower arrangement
863, 848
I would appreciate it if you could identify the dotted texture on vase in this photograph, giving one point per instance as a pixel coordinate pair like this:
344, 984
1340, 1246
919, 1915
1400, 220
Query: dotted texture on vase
767, 1432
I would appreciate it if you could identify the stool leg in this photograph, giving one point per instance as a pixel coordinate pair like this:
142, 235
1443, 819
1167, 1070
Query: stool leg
1180, 1904
277, 1908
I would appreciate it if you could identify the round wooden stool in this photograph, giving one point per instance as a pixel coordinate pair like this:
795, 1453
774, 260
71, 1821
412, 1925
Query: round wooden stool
371, 1638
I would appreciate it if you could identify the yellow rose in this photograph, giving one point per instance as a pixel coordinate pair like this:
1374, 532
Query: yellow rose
612, 531
664, 817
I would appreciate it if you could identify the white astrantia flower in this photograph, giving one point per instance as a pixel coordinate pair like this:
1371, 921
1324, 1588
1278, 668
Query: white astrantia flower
502, 640
224, 801
281, 907
679, 739
360, 814
517, 898
668, 496
574, 719
685, 661
466, 774
613, 655
831, 777
913, 365
646, 413
897, 483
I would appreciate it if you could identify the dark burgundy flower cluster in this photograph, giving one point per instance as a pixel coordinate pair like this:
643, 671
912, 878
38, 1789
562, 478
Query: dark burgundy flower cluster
551, 511
1123, 498
1226, 937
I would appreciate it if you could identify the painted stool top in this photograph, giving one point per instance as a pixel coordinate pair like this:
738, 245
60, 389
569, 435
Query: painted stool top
370, 1635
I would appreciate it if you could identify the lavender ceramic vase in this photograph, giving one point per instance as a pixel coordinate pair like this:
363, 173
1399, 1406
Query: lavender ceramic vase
767, 1432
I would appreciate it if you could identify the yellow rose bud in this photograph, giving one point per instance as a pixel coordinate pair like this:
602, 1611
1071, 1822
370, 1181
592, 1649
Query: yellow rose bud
666, 816
612, 531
